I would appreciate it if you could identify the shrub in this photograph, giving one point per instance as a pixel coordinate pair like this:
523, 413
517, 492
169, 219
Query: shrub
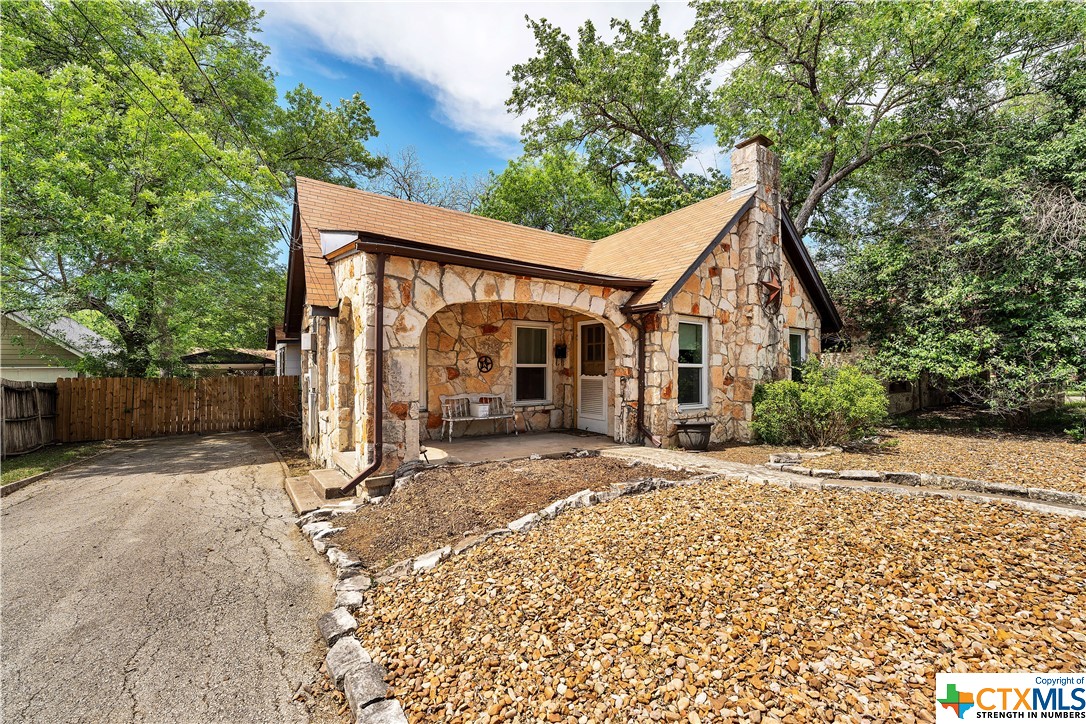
829, 407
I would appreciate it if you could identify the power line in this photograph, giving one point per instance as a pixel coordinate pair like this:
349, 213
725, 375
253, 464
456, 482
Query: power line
169, 112
222, 102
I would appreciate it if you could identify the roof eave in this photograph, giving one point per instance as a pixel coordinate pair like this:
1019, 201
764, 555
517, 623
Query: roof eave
704, 254
377, 244
804, 268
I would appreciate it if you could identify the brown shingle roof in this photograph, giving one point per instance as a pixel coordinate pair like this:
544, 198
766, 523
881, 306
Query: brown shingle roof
661, 250
666, 247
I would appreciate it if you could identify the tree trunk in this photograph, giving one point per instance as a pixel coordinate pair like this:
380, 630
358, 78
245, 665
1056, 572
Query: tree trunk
669, 166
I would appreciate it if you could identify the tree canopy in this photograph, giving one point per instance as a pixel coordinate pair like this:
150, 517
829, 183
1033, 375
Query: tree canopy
838, 83
146, 164
932, 151
625, 104
981, 280
554, 192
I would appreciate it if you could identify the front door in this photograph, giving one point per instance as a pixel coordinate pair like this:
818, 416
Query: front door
592, 381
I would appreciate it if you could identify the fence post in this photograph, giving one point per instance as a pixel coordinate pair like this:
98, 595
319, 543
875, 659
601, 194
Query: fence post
37, 407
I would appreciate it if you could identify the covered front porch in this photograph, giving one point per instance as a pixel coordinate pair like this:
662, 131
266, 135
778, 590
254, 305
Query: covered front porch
492, 448
549, 369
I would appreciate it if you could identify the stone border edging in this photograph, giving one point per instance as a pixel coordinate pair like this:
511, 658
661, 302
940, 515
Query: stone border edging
789, 463
347, 663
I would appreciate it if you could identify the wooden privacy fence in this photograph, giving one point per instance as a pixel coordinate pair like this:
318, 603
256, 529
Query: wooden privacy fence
28, 411
120, 408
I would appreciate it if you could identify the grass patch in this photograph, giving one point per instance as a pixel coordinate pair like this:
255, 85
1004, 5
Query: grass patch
46, 459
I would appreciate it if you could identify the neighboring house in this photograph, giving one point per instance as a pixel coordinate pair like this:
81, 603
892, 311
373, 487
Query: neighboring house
44, 352
671, 321
288, 351
234, 362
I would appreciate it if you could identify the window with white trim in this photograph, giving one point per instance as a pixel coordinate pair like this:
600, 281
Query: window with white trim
693, 368
532, 362
797, 352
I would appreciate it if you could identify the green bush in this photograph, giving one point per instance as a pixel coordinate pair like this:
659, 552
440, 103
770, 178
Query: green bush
829, 407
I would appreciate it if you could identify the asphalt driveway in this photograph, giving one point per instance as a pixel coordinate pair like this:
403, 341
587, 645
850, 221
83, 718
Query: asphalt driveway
163, 581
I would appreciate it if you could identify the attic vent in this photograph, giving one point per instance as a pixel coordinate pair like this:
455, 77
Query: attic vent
336, 240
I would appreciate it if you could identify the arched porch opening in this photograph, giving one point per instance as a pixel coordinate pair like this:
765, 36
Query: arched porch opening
442, 319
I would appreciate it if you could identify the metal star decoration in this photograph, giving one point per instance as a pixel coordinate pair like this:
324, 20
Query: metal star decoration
771, 282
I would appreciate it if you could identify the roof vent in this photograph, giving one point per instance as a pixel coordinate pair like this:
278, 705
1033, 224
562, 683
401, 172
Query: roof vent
336, 240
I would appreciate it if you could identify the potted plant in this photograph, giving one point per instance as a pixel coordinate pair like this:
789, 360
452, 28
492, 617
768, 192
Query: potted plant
694, 434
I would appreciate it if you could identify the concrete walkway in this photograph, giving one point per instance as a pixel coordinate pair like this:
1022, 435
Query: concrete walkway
164, 581
759, 474
489, 448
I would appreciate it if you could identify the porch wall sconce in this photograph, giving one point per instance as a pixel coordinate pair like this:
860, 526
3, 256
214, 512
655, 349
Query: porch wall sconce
559, 351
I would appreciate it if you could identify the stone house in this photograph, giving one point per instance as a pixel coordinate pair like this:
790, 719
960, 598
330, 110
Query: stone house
677, 319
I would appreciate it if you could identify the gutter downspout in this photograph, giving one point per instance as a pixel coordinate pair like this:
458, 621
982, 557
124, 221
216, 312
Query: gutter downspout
378, 381
639, 323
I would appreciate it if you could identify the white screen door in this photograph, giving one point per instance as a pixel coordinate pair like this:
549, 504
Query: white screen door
593, 378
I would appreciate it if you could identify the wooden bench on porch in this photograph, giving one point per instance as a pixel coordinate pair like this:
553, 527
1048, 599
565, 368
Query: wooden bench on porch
468, 408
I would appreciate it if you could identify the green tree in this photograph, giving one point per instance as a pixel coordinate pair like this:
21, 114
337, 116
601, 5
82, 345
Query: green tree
652, 192
555, 192
145, 168
841, 84
624, 104
979, 276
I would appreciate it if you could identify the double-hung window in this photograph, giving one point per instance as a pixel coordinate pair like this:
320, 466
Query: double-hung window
797, 352
531, 357
693, 367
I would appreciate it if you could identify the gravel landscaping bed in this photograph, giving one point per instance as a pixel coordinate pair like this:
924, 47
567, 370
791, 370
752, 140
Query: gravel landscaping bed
442, 505
727, 600
1040, 461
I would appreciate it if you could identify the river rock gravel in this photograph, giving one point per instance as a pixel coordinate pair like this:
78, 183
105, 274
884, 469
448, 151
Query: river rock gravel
729, 601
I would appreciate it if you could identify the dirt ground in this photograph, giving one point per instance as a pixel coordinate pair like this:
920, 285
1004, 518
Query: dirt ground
738, 452
289, 445
1030, 459
444, 504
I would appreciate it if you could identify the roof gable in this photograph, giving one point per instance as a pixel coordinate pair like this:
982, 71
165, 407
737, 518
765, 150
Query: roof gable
668, 248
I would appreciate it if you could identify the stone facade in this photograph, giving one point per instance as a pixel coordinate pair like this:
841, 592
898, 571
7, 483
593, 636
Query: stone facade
459, 334
419, 297
440, 318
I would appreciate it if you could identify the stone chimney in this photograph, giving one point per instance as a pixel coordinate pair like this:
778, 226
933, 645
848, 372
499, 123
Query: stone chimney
754, 165
759, 333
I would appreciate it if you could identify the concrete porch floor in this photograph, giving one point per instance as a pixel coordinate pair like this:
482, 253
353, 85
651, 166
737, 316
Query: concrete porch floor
485, 448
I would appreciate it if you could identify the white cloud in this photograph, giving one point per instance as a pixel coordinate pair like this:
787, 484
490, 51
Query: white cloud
462, 51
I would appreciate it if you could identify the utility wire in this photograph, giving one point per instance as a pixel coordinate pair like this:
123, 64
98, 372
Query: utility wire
169, 112
222, 102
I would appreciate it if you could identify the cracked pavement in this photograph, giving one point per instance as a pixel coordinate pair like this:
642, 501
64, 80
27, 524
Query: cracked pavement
163, 581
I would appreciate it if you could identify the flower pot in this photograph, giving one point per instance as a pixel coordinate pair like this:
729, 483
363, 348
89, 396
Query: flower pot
694, 435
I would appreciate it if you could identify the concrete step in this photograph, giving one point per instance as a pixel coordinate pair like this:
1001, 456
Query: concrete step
345, 461
301, 495
328, 484
378, 486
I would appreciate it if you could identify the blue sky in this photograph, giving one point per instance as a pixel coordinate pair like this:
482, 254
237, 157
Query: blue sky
433, 73
403, 108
